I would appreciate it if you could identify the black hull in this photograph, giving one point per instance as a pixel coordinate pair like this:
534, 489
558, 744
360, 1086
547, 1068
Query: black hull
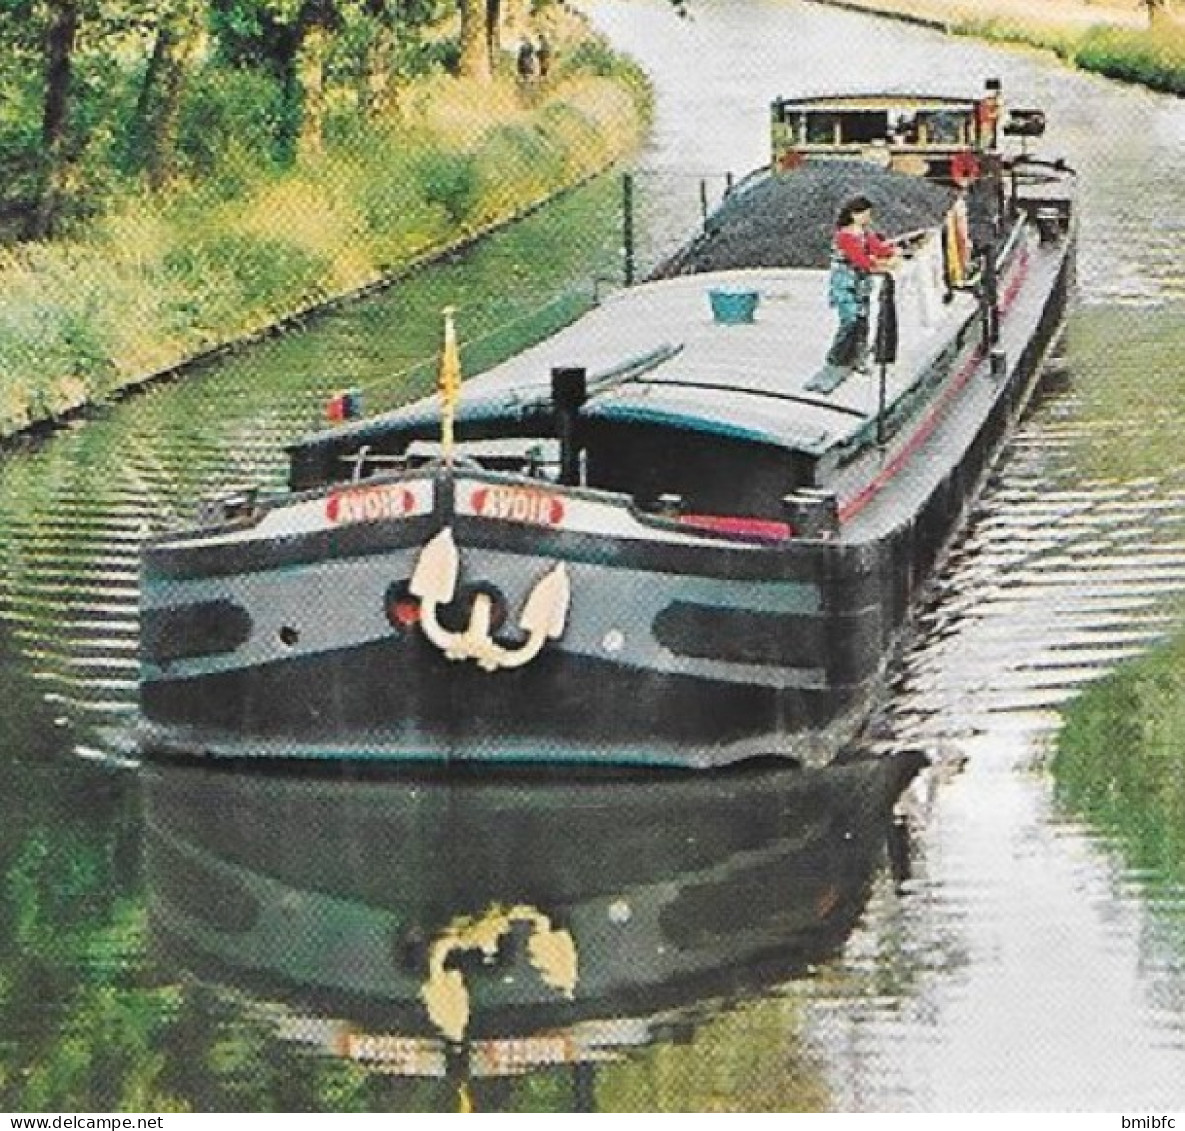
560, 709
717, 684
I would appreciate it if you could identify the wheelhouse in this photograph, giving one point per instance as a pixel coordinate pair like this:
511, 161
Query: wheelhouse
923, 136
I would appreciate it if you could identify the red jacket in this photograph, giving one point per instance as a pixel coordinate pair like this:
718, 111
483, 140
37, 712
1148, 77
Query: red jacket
862, 249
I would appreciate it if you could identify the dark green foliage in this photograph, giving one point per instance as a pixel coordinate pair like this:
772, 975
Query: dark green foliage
241, 235
269, 273
249, 33
594, 56
20, 149
522, 147
450, 180
439, 54
231, 119
242, 103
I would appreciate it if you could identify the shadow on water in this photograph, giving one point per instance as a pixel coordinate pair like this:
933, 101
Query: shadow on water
460, 929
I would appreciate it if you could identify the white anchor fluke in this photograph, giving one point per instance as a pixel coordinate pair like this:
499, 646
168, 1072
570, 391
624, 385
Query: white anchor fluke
546, 609
435, 577
477, 641
434, 582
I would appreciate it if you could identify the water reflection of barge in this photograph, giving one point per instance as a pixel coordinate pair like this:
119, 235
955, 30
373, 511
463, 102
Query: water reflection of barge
653, 542
396, 922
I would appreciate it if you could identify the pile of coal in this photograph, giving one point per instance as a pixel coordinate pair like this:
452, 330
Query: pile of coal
788, 219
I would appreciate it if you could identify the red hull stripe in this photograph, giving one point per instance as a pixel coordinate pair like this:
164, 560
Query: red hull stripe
853, 506
750, 529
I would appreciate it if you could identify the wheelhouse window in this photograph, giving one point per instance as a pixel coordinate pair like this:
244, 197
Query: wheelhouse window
715, 475
942, 127
863, 127
822, 128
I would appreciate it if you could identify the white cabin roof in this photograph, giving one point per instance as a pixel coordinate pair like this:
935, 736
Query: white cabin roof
654, 353
749, 379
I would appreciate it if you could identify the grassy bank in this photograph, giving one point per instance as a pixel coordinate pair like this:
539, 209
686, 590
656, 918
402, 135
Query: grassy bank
1120, 759
1152, 58
154, 282
1109, 39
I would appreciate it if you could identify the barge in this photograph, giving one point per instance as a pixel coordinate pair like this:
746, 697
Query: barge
657, 537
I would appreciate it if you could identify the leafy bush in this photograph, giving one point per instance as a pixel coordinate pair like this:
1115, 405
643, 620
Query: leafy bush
20, 148
517, 164
266, 274
591, 57
449, 179
399, 221
53, 327
435, 55
229, 124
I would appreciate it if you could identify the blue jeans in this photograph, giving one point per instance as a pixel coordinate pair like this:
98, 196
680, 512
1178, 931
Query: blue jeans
850, 347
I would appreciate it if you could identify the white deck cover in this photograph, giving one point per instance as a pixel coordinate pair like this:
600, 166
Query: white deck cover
748, 380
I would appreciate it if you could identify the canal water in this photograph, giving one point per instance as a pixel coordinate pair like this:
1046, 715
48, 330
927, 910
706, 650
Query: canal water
173, 939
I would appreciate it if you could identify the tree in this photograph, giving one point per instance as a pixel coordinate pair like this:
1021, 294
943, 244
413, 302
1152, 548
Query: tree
158, 109
379, 65
60, 35
493, 30
55, 37
315, 21
474, 62
392, 31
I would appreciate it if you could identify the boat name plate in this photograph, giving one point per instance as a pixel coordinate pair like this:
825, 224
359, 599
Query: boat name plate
517, 504
371, 504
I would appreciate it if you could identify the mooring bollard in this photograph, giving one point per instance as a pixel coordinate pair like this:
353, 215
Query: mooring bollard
812, 513
999, 364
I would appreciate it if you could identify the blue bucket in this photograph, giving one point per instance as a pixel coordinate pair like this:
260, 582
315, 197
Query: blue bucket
733, 308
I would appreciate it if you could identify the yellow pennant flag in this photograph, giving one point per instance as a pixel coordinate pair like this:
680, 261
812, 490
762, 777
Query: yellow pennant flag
953, 252
449, 383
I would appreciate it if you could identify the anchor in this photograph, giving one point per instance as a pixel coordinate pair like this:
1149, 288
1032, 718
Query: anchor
434, 583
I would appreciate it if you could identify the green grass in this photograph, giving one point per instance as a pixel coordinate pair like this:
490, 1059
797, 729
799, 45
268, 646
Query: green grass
1152, 58
1063, 42
155, 281
1120, 760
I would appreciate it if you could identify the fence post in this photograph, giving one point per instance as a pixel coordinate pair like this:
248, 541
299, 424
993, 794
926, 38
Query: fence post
627, 225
